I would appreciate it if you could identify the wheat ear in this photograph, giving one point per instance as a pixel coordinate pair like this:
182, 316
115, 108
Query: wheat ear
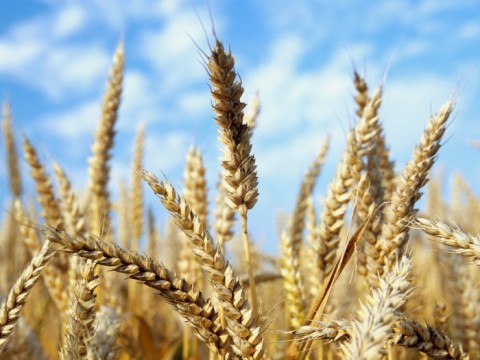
186, 299
46, 195
328, 331
335, 207
395, 230
460, 242
240, 175
291, 281
411, 334
81, 314
14, 177
107, 327
376, 316
241, 322
53, 275
99, 171
11, 308
370, 191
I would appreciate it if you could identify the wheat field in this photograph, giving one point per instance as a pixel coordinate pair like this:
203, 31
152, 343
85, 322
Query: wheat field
364, 275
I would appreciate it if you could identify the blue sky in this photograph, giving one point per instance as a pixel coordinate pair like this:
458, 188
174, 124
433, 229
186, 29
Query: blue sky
55, 55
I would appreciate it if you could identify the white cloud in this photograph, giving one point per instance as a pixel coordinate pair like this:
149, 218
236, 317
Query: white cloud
166, 152
66, 71
73, 126
470, 30
69, 20
294, 99
195, 103
171, 51
40, 55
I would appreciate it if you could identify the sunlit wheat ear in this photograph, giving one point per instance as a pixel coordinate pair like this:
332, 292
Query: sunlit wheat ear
458, 241
369, 192
241, 322
107, 327
46, 196
426, 339
459, 279
186, 299
14, 177
378, 160
239, 168
395, 230
195, 194
11, 308
326, 331
81, 315
291, 281
335, 207
195, 189
376, 316
99, 171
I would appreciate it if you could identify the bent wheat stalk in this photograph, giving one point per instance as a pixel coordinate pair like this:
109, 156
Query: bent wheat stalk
187, 300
